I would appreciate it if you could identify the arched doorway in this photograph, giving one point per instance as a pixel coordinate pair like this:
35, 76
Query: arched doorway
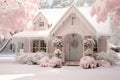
73, 47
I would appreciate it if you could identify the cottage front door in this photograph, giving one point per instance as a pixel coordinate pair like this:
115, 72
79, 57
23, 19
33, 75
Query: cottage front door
74, 47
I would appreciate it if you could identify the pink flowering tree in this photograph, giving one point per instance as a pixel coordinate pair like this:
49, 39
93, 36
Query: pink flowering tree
15, 14
102, 8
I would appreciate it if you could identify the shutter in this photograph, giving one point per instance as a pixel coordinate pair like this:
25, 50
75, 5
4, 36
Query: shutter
102, 44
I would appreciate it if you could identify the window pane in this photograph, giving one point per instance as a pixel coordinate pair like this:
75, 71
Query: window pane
36, 43
35, 49
41, 24
39, 45
42, 43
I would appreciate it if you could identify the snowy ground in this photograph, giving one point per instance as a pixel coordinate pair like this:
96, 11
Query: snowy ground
10, 70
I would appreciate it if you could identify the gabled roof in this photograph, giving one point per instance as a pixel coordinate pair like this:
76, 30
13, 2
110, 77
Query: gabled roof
55, 15
72, 9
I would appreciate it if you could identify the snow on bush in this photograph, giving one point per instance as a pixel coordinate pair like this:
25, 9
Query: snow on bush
112, 58
88, 62
21, 58
88, 52
57, 42
39, 58
103, 63
30, 58
58, 53
89, 43
55, 62
44, 62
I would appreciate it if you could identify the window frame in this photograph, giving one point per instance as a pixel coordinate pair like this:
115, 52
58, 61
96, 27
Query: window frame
42, 46
41, 24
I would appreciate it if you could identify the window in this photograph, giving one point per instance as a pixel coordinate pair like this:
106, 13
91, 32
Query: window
41, 24
73, 20
42, 46
39, 45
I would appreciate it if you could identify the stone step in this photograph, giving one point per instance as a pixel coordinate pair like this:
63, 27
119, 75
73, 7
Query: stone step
72, 63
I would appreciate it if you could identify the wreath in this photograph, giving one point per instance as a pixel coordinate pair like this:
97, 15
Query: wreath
74, 44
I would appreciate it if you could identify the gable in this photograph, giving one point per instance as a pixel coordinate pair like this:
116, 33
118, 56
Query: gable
40, 22
65, 25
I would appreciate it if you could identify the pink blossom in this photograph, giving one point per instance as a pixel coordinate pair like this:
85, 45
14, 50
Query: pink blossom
15, 14
102, 8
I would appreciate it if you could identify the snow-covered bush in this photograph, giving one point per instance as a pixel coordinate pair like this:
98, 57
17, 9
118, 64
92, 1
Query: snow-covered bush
88, 62
58, 53
58, 43
39, 58
110, 57
88, 52
103, 63
21, 58
55, 62
89, 43
30, 58
44, 62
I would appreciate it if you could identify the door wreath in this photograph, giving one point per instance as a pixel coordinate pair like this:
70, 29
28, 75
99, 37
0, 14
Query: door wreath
74, 44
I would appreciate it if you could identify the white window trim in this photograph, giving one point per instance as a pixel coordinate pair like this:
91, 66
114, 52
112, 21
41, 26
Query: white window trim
41, 24
39, 44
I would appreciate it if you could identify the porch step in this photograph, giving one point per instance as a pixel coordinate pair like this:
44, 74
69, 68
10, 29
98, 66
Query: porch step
72, 63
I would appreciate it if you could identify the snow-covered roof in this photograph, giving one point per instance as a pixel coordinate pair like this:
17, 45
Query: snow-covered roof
54, 15
32, 34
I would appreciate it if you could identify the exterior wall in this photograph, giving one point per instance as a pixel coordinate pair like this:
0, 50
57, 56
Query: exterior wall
27, 45
50, 46
102, 44
41, 18
79, 27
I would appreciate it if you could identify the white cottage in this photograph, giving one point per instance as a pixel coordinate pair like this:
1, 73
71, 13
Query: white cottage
72, 24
